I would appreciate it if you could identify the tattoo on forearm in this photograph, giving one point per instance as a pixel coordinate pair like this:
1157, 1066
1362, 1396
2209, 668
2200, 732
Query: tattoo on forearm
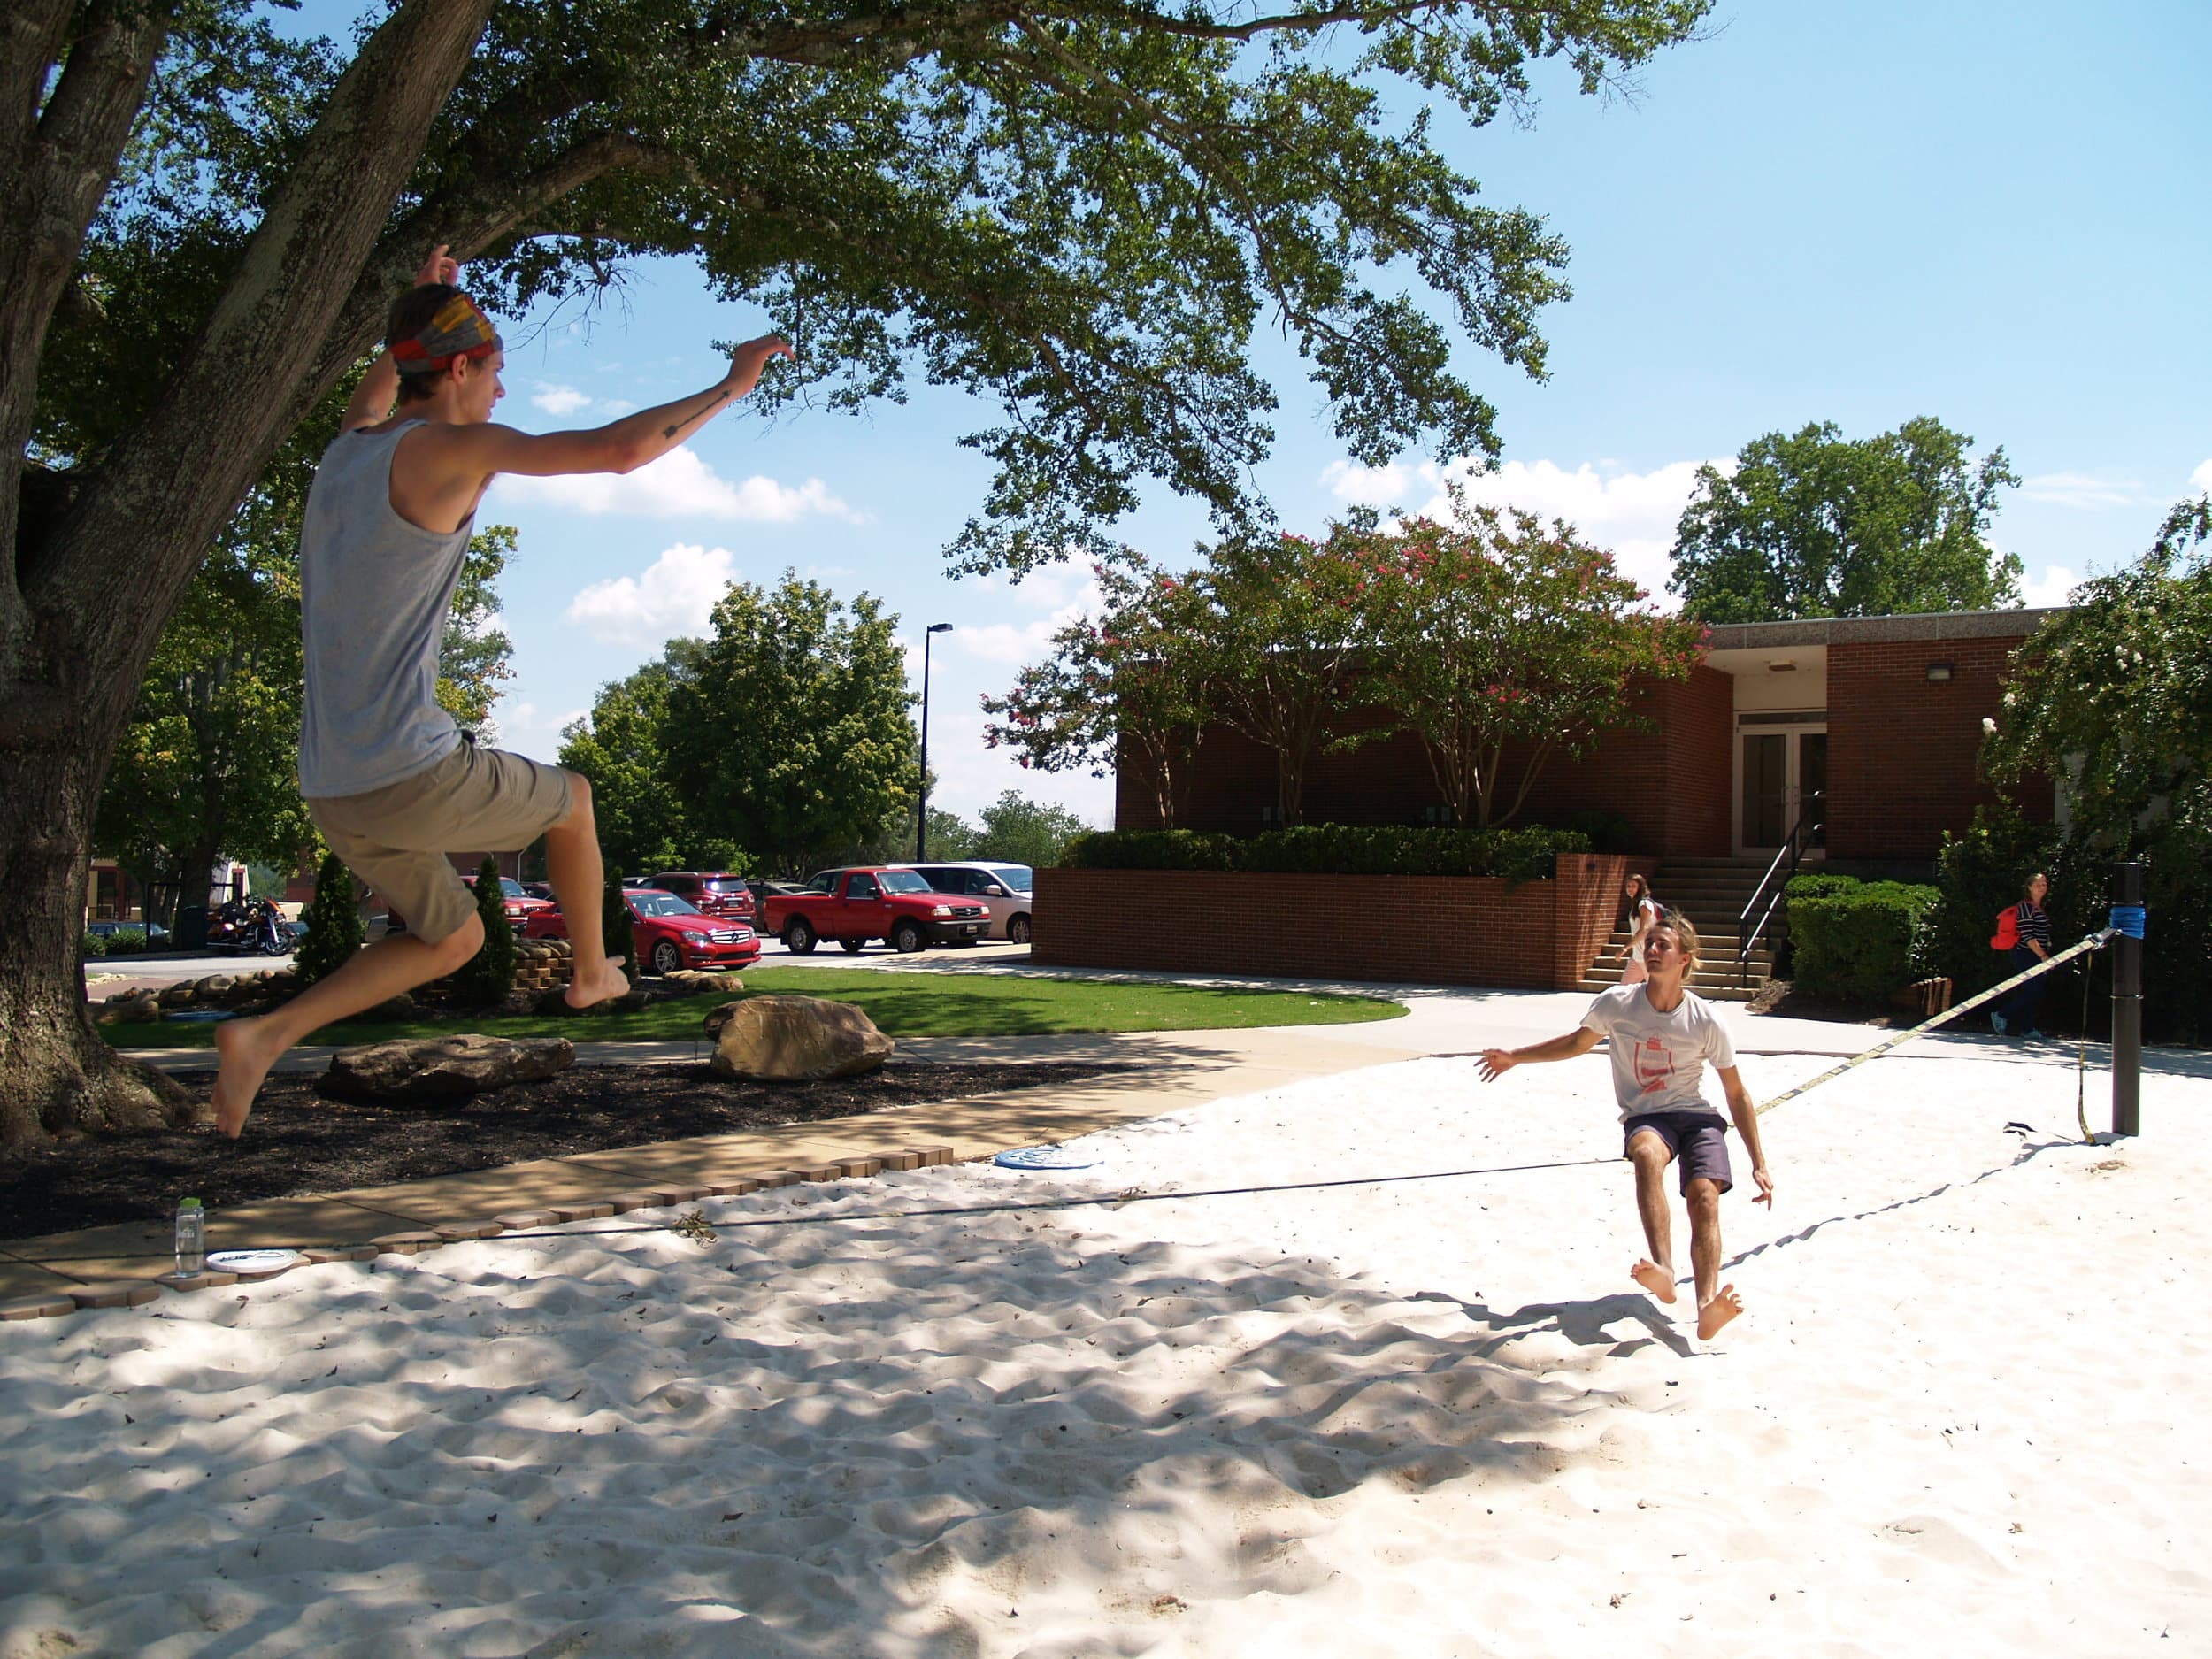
670, 432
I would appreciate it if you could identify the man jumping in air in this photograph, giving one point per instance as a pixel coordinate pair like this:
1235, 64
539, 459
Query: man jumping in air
390, 781
1662, 1038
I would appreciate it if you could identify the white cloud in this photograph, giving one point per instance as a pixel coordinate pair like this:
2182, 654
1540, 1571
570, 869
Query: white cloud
2085, 490
528, 729
2050, 588
2202, 479
679, 485
675, 595
1070, 594
1634, 514
561, 400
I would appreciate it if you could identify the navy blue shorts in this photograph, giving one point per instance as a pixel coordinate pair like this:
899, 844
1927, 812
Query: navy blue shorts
1698, 1141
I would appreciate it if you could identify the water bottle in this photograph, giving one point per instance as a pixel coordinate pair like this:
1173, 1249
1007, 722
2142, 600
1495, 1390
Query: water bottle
191, 1237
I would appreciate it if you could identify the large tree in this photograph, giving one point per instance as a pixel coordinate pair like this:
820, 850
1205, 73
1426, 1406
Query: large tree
1078, 210
1813, 524
790, 734
621, 750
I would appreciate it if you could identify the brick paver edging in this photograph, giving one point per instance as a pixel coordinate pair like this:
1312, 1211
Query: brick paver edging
133, 1293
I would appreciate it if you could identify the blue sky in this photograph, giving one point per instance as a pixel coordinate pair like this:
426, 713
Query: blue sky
1988, 213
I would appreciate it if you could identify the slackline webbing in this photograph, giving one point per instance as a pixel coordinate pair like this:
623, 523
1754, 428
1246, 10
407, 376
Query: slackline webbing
2095, 942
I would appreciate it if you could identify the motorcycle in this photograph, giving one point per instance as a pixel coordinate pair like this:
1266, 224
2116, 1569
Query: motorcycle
253, 927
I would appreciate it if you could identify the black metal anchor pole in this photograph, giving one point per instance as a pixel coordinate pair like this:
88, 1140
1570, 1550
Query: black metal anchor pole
2127, 1008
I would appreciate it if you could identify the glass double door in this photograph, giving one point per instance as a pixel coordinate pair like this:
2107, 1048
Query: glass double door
1781, 777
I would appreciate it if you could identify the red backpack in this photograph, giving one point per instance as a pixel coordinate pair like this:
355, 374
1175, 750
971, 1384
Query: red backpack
2007, 933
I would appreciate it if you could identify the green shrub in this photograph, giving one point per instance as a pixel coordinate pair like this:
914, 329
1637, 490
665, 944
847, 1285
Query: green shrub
1982, 871
333, 923
1346, 849
488, 976
90, 944
1149, 849
1858, 943
124, 940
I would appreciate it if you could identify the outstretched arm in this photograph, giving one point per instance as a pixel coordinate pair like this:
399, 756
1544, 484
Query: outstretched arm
1747, 1115
1497, 1062
621, 445
372, 400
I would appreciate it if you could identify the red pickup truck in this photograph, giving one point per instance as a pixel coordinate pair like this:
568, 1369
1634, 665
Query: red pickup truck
855, 906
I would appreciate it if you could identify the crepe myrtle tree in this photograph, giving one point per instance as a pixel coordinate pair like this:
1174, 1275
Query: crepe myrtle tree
2113, 695
1286, 639
1078, 210
1123, 689
1500, 635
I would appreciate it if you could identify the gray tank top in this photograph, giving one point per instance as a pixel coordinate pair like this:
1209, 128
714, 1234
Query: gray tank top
374, 591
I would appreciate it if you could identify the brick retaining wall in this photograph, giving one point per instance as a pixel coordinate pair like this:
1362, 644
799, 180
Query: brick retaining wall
1441, 930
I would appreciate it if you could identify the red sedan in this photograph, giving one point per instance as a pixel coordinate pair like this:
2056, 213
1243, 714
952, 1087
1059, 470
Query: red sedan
667, 933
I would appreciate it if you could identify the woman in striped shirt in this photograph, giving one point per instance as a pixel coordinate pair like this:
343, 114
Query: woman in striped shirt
2017, 1013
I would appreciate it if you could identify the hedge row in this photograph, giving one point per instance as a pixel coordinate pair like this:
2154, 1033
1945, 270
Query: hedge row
1858, 941
1342, 849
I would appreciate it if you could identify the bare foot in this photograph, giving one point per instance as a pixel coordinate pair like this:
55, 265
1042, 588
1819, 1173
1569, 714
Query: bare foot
1653, 1279
245, 1059
610, 981
1718, 1312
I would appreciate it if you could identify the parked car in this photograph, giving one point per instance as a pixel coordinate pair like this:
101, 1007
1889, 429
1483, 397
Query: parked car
540, 890
518, 904
667, 933
1003, 889
711, 892
855, 906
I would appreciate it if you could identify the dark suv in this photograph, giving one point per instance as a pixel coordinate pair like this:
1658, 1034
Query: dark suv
710, 892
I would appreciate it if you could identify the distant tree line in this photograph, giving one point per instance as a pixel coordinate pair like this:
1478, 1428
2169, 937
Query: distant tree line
780, 743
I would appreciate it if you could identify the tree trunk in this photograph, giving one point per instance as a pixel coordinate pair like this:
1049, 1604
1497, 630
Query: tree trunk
57, 1075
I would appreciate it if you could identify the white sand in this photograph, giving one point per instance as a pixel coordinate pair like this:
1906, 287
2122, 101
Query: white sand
1965, 1413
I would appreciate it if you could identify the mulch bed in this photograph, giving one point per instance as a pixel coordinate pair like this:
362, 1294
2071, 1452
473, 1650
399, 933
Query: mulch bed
298, 1142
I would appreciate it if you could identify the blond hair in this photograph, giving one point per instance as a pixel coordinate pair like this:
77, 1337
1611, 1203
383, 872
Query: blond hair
1685, 935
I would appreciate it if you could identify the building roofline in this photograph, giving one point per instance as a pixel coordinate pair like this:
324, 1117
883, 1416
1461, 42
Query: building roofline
1940, 625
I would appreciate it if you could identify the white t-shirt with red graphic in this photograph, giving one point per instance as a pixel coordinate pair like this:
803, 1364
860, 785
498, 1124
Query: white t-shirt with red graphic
1659, 1060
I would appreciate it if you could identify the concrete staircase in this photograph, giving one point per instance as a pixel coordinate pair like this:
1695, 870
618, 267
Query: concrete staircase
1712, 892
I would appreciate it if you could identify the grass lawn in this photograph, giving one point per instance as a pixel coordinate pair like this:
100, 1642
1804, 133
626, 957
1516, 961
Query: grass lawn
902, 1004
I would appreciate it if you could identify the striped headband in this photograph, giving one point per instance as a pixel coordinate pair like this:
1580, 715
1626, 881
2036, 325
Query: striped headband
458, 330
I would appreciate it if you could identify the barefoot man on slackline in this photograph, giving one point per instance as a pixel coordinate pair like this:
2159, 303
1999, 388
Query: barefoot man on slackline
1662, 1038
390, 780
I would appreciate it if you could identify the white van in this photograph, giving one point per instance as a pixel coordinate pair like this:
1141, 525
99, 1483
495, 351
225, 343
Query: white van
1001, 888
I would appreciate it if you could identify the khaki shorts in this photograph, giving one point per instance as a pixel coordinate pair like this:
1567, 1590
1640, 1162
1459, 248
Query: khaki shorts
397, 838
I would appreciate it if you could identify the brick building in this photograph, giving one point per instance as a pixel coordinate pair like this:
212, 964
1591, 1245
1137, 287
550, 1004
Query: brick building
1868, 724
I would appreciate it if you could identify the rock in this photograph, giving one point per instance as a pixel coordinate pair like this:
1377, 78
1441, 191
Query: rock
795, 1040
434, 1071
180, 995
129, 1006
400, 1007
520, 1004
695, 982
215, 986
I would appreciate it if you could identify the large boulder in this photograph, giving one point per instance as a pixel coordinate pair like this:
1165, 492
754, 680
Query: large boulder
436, 1071
694, 982
795, 1040
133, 1006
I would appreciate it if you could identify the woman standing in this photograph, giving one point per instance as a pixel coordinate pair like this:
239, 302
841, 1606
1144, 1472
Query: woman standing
2017, 1013
1643, 916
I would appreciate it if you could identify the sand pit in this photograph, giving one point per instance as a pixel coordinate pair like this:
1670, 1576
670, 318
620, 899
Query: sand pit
1427, 1418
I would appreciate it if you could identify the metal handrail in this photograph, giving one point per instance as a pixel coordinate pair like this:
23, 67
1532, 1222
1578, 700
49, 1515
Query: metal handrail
1747, 936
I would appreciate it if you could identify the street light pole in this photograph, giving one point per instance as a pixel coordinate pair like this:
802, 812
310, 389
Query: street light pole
921, 812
